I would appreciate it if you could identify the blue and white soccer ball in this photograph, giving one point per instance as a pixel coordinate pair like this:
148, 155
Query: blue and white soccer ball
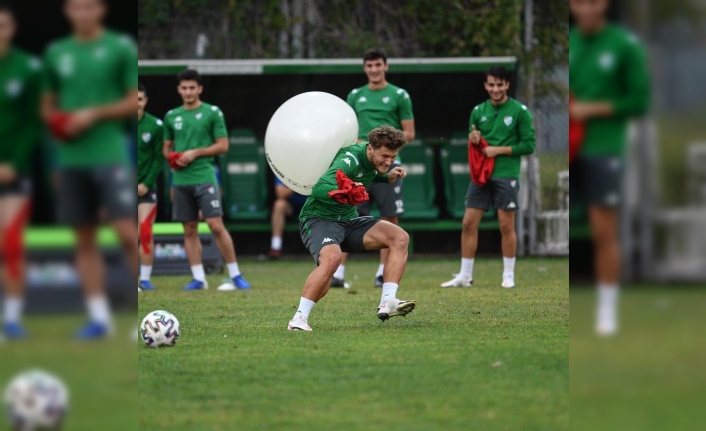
36, 400
160, 328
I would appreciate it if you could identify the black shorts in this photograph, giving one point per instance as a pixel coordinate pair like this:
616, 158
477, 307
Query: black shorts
188, 200
387, 197
21, 186
501, 192
85, 191
348, 234
149, 198
597, 180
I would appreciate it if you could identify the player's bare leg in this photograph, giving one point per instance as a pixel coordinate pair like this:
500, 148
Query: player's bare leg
14, 214
469, 245
280, 210
127, 233
316, 286
224, 242
338, 277
145, 218
387, 235
192, 245
383, 254
91, 272
604, 228
506, 220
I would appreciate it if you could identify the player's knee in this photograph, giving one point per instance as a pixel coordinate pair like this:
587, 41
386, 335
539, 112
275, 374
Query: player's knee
507, 227
191, 230
217, 228
468, 225
280, 206
400, 240
330, 259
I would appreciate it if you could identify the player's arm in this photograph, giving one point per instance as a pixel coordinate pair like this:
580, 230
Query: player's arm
406, 115
157, 160
327, 183
216, 149
525, 128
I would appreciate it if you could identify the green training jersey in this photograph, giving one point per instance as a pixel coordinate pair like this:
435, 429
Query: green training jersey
609, 66
191, 129
506, 125
20, 127
150, 139
388, 106
90, 74
353, 161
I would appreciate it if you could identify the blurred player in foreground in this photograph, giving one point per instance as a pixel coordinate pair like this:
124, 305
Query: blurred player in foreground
20, 84
196, 131
329, 224
90, 89
149, 166
505, 127
287, 203
379, 103
610, 84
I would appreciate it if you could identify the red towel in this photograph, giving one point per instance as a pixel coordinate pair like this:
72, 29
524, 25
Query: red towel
57, 125
481, 166
577, 130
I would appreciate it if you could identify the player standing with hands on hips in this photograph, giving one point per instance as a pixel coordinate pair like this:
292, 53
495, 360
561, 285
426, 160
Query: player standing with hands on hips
329, 224
504, 127
149, 165
196, 131
379, 103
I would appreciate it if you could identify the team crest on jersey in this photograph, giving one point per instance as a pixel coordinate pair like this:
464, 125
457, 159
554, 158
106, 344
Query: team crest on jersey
362, 99
385, 99
99, 52
146, 137
198, 116
13, 87
484, 119
507, 120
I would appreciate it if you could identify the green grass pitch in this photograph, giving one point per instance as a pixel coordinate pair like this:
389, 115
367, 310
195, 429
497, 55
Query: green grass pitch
480, 358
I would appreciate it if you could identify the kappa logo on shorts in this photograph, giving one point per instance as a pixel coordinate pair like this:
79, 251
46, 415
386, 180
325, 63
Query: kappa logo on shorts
211, 190
511, 205
327, 240
513, 183
153, 196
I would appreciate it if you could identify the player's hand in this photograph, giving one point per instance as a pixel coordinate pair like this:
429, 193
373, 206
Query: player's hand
474, 136
396, 173
79, 122
141, 190
491, 151
186, 158
7, 174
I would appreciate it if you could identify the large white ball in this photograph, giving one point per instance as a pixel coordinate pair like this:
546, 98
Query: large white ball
305, 134
36, 399
160, 328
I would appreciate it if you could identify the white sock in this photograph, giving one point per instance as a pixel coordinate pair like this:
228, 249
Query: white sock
198, 272
305, 306
233, 270
467, 268
508, 266
276, 243
340, 272
145, 272
98, 309
13, 309
389, 291
381, 269
607, 300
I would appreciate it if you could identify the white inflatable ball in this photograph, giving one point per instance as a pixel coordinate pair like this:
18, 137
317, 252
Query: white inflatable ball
305, 134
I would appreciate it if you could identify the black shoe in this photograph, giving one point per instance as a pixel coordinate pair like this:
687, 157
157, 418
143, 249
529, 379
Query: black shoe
337, 282
379, 281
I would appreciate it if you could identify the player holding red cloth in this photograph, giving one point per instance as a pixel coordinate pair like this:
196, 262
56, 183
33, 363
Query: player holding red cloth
329, 224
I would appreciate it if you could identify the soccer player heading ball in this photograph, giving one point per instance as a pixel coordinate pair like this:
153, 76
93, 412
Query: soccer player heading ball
329, 224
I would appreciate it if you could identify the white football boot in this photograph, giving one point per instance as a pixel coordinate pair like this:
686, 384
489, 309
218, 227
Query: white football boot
508, 281
299, 323
457, 281
395, 307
